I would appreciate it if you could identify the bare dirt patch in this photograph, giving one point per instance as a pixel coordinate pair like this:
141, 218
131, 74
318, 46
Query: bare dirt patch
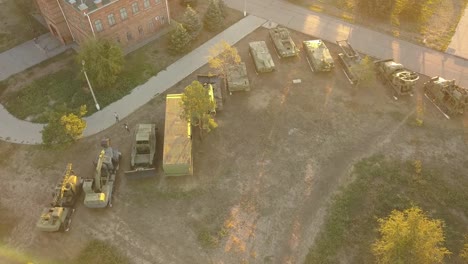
262, 179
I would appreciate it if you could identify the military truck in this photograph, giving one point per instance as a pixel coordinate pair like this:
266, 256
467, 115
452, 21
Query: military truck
318, 56
177, 154
98, 191
396, 76
236, 76
284, 45
348, 58
448, 97
143, 150
58, 216
216, 88
261, 56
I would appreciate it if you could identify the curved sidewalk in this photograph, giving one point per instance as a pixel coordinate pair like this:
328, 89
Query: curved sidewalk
19, 131
420, 59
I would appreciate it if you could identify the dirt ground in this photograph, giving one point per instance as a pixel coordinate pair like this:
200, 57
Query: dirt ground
262, 179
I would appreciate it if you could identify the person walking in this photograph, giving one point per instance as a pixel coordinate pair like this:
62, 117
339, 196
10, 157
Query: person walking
116, 117
126, 127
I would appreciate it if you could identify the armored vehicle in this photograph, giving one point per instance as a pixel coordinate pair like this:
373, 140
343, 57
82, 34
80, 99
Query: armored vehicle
348, 58
397, 76
216, 86
177, 156
98, 191
261, 56
318, 56
448, 97
143, 150
58, 216
283, 42
237, 79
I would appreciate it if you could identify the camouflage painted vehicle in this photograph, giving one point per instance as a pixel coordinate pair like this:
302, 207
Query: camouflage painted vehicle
58, 216
448, 97
396, 76
348, 58
143, 150
261, 56
98, 191
318, 56
283, 42
216, 87
237, 79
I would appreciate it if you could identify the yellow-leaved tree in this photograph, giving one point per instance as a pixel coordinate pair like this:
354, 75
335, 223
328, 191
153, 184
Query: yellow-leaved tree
409, 236
74, 124
222, 55
64, 129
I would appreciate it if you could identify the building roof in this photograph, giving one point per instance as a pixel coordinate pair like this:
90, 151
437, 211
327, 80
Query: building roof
90, 4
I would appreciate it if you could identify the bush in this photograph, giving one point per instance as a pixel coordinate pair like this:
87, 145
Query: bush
213, 19
180, 40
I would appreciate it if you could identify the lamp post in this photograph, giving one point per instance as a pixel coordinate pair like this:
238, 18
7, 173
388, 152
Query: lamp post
89, 84
245, 7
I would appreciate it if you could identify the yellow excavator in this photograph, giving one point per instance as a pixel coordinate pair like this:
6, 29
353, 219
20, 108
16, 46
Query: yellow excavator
57, 217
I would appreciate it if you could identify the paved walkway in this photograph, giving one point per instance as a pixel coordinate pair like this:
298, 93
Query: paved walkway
18, 131
414, 57
29, 54
459, 44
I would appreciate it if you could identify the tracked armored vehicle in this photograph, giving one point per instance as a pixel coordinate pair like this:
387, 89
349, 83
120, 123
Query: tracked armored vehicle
284, 45
98, 191
143, 151
237, 79
58, 216
448, 97
261, 56
216, 88
396, 76
318, 56
348, 58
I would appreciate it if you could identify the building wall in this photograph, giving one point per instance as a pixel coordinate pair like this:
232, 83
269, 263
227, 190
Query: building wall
55, 21
128, 31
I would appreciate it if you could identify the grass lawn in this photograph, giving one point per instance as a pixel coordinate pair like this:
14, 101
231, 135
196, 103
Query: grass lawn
379, 186
436, 32
65, 89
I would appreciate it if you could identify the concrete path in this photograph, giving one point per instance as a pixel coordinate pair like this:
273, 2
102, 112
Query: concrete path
18, 131
376, 44
459, 44
29, 54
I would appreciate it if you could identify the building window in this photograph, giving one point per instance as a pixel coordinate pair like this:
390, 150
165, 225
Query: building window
129, 36
162, 19
111, 19
140, 30
98, 25
123, 13
151, 26
146, 3
135, 8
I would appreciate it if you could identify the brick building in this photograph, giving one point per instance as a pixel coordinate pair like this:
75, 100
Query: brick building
125, 21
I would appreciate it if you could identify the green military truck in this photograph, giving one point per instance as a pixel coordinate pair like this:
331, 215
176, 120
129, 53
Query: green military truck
177, 153
143, 151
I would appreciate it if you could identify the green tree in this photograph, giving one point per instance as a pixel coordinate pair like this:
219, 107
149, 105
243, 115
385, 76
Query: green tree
222, 8
64, 129
222, 55
364, 71
180, 40
197, 105
192, 22
103, 61
410, 237
213, 18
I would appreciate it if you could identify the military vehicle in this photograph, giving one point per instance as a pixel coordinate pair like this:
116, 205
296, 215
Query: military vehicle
236, 76
216, 86
58, 216
284, 45
261, 56
143, 150
397, 76
318, 56
177, 156
98, 191
448, 97
348, 58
